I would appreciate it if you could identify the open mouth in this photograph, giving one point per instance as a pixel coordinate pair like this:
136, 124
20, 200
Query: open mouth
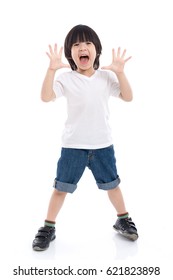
84, 59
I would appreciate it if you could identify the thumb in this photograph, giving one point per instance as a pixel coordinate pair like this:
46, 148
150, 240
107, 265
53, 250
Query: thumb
105, 67
65, 65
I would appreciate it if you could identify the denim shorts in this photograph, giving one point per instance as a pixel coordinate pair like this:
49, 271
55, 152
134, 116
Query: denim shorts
73, 162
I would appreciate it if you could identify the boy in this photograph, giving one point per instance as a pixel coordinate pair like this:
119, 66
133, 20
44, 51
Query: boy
86, 141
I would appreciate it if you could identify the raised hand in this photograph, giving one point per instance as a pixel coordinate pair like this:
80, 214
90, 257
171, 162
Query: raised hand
56, 58
118, 61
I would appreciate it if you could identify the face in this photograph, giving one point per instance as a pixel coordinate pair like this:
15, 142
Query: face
84, 54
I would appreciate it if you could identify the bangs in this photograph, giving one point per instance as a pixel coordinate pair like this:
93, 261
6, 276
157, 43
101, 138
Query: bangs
82, 34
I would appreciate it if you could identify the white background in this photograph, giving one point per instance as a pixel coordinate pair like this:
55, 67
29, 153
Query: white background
31, 133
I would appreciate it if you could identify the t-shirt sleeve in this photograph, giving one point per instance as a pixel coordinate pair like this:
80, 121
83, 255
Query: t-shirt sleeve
114, 85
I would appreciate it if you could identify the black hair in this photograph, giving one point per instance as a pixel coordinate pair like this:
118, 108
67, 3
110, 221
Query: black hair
82, 33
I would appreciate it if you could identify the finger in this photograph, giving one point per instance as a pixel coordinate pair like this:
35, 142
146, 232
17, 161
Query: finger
66, 66
128, 58
124, 53
118, 52
113, 54
105, 67
55, 48
60, 51
48, 54
50, 49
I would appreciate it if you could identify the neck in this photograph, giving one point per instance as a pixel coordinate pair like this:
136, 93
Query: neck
88, 72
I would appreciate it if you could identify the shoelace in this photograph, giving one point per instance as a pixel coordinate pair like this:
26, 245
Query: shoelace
126, 223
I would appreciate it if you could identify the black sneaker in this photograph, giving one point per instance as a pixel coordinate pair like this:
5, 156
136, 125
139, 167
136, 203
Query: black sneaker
43, 238
127, 228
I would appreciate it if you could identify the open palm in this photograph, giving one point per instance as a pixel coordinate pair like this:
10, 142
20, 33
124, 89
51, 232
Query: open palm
55, 57
118, 61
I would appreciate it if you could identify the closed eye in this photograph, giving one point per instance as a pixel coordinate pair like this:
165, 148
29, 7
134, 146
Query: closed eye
76, 44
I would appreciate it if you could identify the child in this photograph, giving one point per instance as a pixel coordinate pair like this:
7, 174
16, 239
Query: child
86, 140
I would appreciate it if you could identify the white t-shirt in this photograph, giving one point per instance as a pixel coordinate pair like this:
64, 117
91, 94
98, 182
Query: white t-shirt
87, 124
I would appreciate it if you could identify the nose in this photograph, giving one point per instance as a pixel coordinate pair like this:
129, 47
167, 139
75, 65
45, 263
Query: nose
82, 46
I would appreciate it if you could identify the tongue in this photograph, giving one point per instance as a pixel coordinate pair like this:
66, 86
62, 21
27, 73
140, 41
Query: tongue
84, 60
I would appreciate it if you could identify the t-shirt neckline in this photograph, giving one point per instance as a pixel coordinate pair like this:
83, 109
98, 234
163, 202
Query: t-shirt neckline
84, 76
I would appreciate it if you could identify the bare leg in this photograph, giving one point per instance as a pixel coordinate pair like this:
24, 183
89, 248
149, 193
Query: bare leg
117, 200
55, 204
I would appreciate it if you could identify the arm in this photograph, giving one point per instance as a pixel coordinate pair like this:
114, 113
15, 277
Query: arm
47, 93
117, 66
125, 88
